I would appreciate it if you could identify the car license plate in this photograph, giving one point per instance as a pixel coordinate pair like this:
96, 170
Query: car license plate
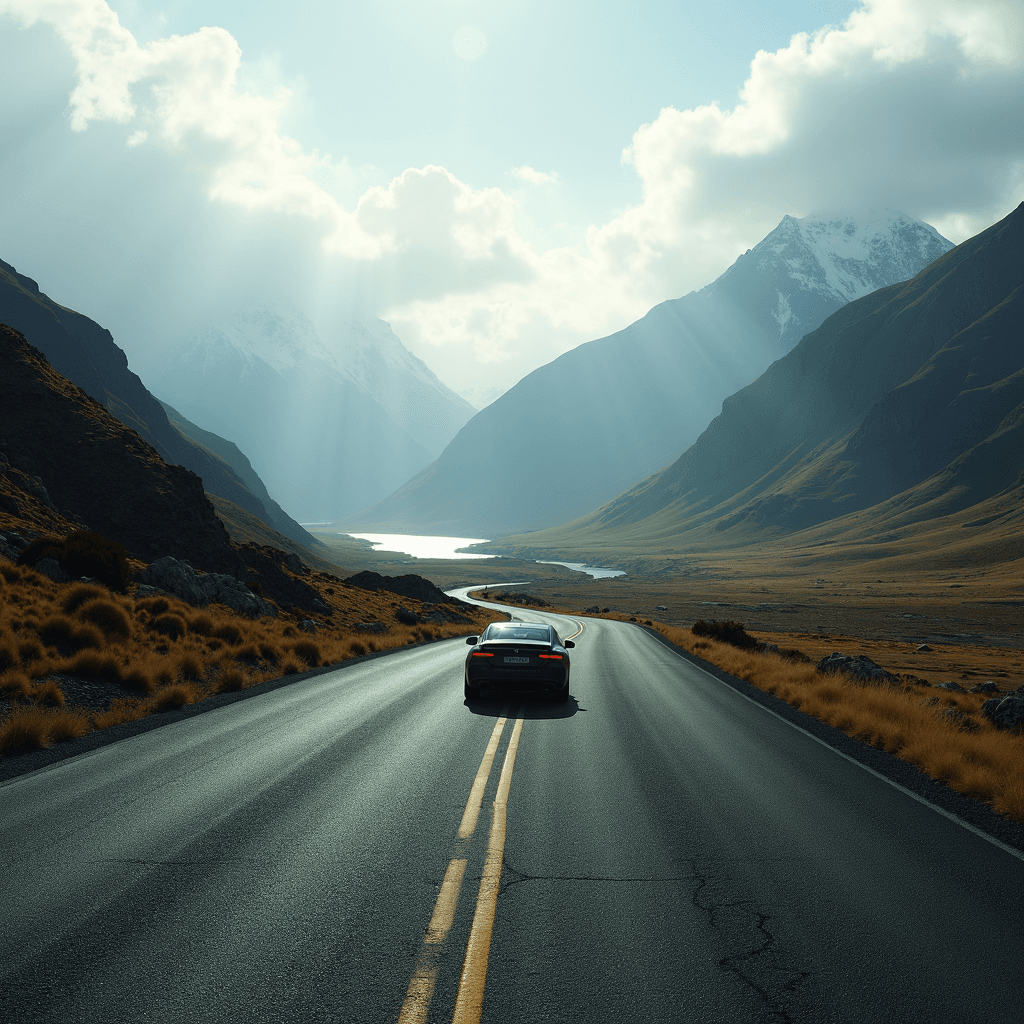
517, 661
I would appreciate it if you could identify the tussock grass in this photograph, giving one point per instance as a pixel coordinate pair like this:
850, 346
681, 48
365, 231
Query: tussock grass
159, 653
978, 760
33, 728
111, 620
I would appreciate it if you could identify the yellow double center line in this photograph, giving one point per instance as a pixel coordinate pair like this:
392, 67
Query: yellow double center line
469, 1002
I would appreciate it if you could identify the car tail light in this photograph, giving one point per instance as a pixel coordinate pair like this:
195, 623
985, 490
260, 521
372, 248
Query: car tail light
481, 654
557, 657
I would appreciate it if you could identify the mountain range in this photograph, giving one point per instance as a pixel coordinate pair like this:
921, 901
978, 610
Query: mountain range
85, 353
904, 406
331, 428
578, 431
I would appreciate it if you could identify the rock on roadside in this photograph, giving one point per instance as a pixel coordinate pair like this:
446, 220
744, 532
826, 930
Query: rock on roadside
861, 668
1005, 712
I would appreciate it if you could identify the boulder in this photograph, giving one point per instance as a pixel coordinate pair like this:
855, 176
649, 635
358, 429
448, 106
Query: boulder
309, 625
923, 648
861, 668
179, 579
1005, 712
293, 562
950, 685
174, 577
371, 627
988, 687
219, 588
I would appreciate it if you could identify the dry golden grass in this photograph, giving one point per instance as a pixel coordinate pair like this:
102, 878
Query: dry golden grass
163, 653
985, 763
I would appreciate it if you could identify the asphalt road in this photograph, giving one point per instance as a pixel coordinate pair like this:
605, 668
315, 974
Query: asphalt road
659, 849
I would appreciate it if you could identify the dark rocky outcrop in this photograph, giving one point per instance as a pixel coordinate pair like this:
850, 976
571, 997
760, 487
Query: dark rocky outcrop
99, 472
265, 569
415, 587
175, 577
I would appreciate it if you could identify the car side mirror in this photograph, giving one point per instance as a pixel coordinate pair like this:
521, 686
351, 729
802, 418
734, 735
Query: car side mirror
472, 640
567, 644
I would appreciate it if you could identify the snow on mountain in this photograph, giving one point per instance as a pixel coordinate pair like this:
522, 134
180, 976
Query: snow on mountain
848, 258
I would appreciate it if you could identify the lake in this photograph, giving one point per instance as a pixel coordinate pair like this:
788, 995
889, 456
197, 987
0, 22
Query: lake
447, 547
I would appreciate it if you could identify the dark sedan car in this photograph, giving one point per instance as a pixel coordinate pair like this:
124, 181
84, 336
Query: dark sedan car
518, 656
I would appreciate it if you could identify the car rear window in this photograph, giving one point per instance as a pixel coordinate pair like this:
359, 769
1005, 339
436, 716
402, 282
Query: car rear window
518, 633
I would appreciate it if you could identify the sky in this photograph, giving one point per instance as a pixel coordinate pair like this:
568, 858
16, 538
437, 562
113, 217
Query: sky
500, 182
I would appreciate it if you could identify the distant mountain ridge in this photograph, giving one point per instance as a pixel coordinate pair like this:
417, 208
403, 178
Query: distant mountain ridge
910, 399
330, 427
84, 352
592, 422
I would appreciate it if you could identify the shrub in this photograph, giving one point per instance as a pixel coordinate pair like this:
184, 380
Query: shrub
231, 679
79, 594
153, 605
67, 724
229, 632
170, 625
69, 636
201, 624
138, 679
357, 648
48, 693
8, 659
249, 653
83, 553
189, 666
123, 709
270, 654
174, 696
111, 620
15, 685
290, 668
307, 651
30, 649
26, 729
729, 632
92, 665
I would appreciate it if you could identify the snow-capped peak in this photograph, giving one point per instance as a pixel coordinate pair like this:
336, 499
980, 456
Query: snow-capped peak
847, 257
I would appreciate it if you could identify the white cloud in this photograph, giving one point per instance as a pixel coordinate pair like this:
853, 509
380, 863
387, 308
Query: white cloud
534, 177
909, 104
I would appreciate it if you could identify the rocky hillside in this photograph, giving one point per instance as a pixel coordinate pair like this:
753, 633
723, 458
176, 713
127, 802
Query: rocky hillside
85, 353
65, 462
97, 472
913, 395
594, 421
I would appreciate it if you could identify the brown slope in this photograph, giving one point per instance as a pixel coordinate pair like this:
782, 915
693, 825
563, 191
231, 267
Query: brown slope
97, 471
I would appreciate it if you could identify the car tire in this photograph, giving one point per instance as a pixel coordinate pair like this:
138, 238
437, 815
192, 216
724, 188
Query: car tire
471, 692
563, 695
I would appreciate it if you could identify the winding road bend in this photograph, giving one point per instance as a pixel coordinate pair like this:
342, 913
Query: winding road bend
363, 846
